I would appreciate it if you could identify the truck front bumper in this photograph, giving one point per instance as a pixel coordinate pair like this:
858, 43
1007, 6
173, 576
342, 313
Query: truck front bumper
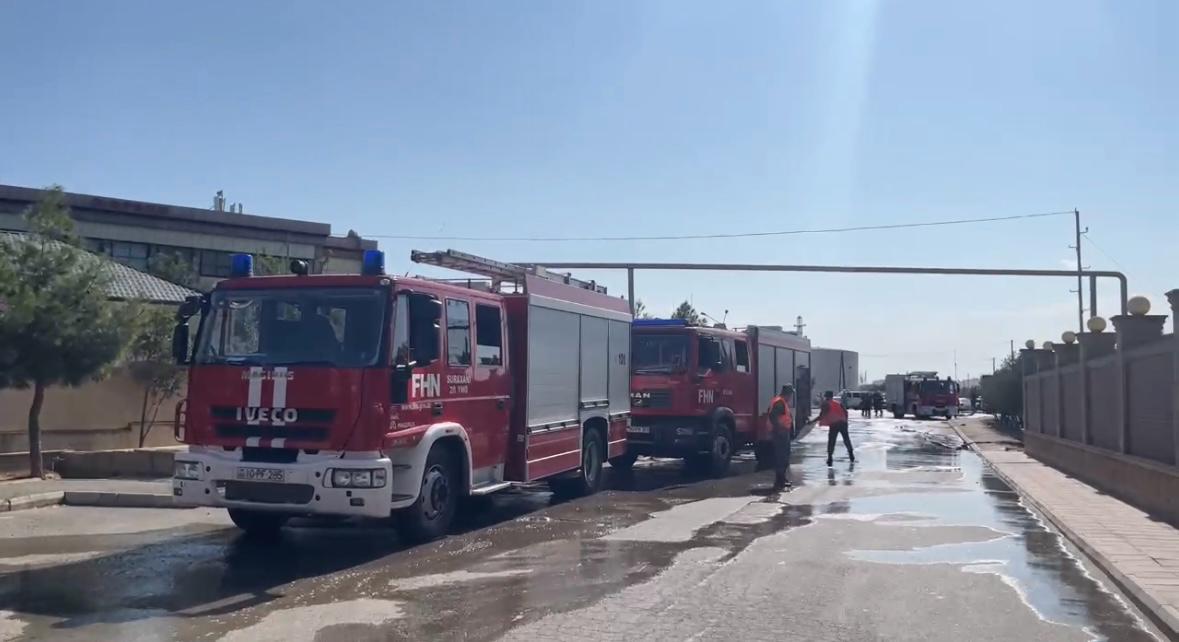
297, 488
668, 437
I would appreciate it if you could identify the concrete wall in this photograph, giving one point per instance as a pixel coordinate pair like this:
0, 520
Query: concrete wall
96, 416
1105, 411
1150, 486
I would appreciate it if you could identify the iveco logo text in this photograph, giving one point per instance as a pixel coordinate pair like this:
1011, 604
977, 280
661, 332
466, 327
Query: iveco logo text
255, 415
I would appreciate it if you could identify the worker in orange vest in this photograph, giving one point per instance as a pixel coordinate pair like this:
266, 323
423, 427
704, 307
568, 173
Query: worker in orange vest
782, 421
833, 415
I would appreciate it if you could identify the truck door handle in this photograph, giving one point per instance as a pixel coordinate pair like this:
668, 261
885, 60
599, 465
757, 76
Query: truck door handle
499, 403
436, 407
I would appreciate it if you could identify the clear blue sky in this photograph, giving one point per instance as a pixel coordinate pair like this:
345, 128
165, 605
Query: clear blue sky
607, 118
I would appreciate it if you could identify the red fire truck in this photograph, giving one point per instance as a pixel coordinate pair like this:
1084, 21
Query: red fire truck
921, 394
372, 395
702, 393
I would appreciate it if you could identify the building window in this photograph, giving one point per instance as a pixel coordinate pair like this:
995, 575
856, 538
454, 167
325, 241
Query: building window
214, 263
130, 254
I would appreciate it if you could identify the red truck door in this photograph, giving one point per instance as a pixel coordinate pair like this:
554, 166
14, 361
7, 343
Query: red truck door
474, 386
744, 389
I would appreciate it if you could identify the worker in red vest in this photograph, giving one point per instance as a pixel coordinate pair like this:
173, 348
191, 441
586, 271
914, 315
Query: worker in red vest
833, 415
782, 421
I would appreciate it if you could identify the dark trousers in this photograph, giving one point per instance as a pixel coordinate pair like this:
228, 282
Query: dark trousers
781, 456
838, 428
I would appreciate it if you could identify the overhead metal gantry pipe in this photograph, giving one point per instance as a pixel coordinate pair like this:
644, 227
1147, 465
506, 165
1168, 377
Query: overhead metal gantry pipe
846, 269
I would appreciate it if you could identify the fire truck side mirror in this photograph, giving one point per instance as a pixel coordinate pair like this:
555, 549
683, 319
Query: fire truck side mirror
190, 307
180, 343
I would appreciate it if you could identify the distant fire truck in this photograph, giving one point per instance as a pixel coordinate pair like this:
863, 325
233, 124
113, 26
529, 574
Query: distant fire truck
372, 395
921, 394
702, 393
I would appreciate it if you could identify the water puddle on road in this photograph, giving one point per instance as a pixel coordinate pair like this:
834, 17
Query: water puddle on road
1023, 553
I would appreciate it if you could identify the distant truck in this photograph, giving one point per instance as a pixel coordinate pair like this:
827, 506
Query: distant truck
373, 395
921, 394
702, 393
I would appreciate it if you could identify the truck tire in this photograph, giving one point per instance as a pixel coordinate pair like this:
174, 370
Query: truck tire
431, 515
897, 413
624, 461
716, 463
257, 523
589, 477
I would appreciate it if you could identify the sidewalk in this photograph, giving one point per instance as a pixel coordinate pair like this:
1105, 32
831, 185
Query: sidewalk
1139, 553
21, 494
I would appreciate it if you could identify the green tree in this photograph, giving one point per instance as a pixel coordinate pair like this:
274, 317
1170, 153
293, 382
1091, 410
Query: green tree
641, 310
57, 327
270, 265
1003, 391
688, 313
173, 268
150, 363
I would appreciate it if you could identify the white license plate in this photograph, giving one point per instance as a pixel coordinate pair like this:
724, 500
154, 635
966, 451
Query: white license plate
641, 430
262, 474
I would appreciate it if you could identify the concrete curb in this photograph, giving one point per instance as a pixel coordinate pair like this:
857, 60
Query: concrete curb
118, 500
38, 500
1160, 616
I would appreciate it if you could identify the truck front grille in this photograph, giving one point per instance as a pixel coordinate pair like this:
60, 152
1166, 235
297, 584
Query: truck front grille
292, 433
651, 399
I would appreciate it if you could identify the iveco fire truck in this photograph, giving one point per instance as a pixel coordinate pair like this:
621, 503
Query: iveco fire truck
370, 394
702, 393
921, 394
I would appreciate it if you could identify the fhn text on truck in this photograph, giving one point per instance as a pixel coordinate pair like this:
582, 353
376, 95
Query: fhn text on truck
372, 395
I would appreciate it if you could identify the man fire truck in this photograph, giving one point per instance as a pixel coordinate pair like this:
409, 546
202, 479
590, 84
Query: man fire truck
371, 394
702, 393
921, 394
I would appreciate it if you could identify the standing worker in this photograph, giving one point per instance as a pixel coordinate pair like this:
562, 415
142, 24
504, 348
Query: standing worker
782, 423
878, 403
833, 415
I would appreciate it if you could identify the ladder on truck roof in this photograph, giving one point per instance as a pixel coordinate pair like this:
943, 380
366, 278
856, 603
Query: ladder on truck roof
498, 271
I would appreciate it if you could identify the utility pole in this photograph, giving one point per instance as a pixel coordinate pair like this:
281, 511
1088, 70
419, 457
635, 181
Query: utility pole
1012, 349
1080, 271
992, 365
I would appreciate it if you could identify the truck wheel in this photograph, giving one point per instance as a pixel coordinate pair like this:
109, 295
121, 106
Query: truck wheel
257, 523
431, 515
717, 461
624, 461
897, 413
589, 477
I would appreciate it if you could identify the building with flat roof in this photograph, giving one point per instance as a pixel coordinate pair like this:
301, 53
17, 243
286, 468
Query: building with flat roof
134, 233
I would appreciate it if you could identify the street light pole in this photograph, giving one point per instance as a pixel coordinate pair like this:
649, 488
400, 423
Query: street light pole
1080, 275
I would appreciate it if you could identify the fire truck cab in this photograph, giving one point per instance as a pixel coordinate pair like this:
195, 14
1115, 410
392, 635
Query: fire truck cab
702, 393
921, 394
371, 395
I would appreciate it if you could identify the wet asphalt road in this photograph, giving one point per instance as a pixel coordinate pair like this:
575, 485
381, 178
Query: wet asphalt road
916, 541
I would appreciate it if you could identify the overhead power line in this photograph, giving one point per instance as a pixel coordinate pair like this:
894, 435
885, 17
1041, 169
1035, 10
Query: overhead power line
1089, 238
688, 237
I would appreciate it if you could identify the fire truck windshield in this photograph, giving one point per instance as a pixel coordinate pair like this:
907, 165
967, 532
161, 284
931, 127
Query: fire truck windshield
323, 326
937, 386
659, 353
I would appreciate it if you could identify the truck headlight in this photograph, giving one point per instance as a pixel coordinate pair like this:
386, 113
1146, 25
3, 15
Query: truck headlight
357, 477
186, 470
341, 478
